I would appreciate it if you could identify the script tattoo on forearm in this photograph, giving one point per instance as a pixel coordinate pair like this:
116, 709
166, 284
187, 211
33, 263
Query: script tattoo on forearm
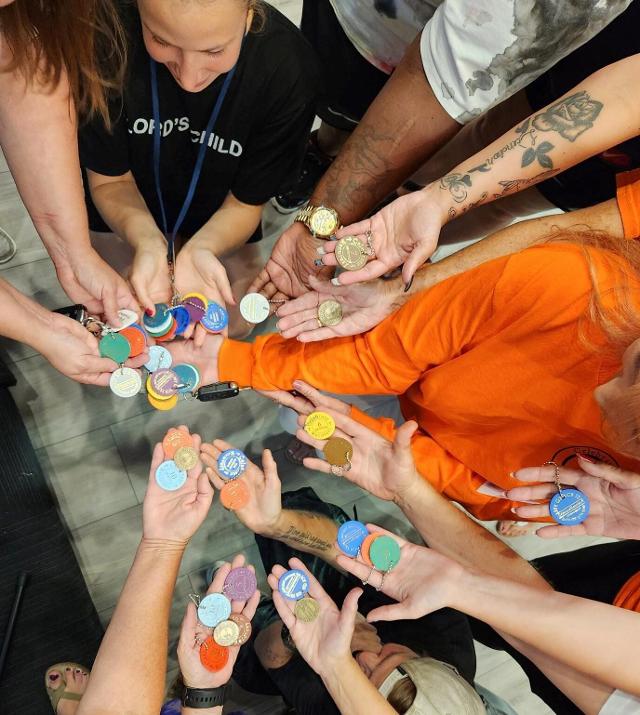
570, 117
296, 537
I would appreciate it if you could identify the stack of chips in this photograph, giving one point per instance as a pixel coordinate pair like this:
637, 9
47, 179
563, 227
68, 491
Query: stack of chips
230, 466
337, 450
181, 457
170, 321
294, 586
229, 629
377, 550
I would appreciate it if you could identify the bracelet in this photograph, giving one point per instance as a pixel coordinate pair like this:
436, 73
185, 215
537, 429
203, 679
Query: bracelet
200, 698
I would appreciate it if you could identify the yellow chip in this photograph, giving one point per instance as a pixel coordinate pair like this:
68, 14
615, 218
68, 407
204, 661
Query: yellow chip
196, 295
319, 425
163, 405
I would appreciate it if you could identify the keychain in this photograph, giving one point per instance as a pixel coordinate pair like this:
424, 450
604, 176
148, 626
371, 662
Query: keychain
569, 506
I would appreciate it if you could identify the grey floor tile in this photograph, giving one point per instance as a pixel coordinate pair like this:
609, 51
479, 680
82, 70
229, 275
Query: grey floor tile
88, 477
54, 408
105, 551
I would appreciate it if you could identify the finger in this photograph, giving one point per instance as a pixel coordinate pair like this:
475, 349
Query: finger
138, 361
270, 469
350, 608
355, 229
547, 473
295, 402
317, 465
292, 307
269, 290
219, 578
556, 531
222, 282
416, 259
189, 623
615, 475
111, 307
126, 298
210, 451
307, 327
402, 439
356, 568
249, 611
205, 490
373, 269
395, 612
186, 335
199, 335
313, 336
98, 365
142, 291
311, 441
100, 380
298, 318
320, 399
284, 609
329, 258
213, 477
260, 282
532, 511
378, 529
538, 492
326, 287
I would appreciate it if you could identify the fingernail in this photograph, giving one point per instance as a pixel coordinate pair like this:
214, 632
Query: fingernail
297, 383
587, 458
318, 262
408, 285
514, 509
512, 475
148, 311
320, 251
335, 281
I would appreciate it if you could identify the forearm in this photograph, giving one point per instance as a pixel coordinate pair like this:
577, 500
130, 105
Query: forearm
230, 227
21, 318
124, 210
402, 128
448, 530
597, 114
309, 532
38, 134
352, 692
133, 655
201, 711
593, 638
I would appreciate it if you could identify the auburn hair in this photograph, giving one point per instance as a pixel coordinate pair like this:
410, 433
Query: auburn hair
82, 38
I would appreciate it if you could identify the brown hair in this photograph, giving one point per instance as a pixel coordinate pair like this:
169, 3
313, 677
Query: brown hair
82, 37
402, 695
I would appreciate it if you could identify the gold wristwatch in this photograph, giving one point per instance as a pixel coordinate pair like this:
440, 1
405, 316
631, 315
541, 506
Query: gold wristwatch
320, 220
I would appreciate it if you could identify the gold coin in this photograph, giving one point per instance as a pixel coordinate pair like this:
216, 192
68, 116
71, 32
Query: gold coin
330, 312
306, 609
319, 425
338, 451
226, 633
323, 221
186, 458
351, 254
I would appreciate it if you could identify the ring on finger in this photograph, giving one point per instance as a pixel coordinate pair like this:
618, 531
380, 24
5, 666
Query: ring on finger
369, 238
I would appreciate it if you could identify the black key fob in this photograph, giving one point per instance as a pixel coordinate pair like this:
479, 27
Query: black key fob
217, 391
75, 312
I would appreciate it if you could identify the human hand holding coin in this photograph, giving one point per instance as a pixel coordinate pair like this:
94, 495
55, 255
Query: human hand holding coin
193, 634
175, 515
264, 504
422, 581
203, 356
364, 305
325, 641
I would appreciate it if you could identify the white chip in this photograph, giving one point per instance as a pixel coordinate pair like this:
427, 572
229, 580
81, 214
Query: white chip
125, 382
254, 308
127, 317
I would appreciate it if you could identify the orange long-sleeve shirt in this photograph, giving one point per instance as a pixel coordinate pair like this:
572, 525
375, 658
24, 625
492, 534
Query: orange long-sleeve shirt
490, 364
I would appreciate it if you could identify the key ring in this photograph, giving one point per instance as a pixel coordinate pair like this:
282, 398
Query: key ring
383, 574
195, 599
338, 470
556, 477
366, 581
370, 250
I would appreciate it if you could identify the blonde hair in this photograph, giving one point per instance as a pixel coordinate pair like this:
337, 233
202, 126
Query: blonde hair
402, 695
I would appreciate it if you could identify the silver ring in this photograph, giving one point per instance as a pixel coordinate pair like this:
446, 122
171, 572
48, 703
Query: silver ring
379, 588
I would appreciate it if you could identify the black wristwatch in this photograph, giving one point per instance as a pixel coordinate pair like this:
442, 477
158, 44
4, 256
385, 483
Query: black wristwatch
200, 698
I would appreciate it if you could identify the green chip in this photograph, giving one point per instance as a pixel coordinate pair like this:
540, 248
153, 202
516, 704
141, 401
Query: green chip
384, 553
116, 347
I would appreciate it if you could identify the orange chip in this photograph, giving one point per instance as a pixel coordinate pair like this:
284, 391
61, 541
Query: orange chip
163, 405
136, 339
169, 336
234, 494
213, 656
365, 546
174, 440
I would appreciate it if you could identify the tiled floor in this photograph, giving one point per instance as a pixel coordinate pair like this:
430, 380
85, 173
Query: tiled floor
95, 449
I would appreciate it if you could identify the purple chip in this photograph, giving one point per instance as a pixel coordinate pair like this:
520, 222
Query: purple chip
164, 382
240, 584
195, 307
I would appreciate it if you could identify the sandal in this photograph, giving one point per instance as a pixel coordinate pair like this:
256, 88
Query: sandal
55, 696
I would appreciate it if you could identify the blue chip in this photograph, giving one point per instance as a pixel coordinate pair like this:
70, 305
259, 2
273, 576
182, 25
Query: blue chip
214, 609
293, 584
153, 322
189, 377
169, 476
350, 537
215, 319
159, 358
569, 507
181, 316
231, 463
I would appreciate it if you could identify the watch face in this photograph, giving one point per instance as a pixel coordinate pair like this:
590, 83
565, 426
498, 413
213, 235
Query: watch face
323, 221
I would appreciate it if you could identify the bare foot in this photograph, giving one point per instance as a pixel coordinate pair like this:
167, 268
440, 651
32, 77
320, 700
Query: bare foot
77, 680
515, 528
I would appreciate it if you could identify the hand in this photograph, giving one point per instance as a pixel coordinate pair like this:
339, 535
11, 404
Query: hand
405, 232
175, 516
74, 351
204, 356
613, 493
150, 273
90, 281
325, 642
262, 513
365, 636
292, 261
423, 580
364, 305
192, 633
384, 469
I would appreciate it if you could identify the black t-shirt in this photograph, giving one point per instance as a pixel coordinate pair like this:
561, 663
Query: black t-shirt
593, 180
257, 145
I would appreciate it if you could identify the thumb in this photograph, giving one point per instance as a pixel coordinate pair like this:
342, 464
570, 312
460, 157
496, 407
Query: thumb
402, 439
417, 257
205, 489
270, 469
142, 292
222, 282
350, 609
394, 612
189, 623
325, 286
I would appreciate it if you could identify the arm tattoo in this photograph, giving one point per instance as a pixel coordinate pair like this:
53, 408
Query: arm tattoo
570, 117
305, 539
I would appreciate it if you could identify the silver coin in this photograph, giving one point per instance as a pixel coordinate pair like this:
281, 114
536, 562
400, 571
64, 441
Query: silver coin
125, 382
254, 308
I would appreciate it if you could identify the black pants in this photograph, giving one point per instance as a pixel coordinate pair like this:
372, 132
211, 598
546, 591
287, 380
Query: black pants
595, 572
444, 635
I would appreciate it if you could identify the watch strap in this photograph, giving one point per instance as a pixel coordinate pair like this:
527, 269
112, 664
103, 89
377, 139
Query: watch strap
201, 698
305, 214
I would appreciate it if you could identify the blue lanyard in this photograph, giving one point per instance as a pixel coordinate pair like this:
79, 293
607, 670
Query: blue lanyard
157, 129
